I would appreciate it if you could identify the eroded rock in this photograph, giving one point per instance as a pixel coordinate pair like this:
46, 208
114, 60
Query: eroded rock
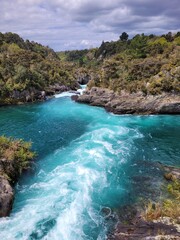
6, 197
131, 103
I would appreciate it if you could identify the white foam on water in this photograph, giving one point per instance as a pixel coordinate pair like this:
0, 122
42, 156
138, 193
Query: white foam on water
69, 93
63, 94
80, 91
65, 193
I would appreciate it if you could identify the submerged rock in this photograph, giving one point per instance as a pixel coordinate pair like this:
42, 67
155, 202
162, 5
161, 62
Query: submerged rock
144, 231
131, 103
171, 173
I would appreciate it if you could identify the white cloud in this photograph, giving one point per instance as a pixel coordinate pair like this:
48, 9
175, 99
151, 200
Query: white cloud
82, 23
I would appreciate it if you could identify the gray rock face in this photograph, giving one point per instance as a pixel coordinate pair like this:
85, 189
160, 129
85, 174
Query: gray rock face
170, 108
32, 94
10, 168
6, 197
131, 103
8, 171
144, 231
29, 95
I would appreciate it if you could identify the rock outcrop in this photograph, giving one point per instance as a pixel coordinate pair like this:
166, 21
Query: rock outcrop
8, 176
27, 95
15, 156
135, 103
133, 223
33, 95
6, 197
143, 230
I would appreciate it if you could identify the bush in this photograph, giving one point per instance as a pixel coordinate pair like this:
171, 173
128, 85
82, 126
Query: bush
169, 207
16, 151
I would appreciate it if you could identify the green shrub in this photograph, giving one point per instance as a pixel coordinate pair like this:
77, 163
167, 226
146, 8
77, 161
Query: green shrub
16, 151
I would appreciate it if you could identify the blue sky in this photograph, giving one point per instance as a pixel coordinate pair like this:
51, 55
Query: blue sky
78, 24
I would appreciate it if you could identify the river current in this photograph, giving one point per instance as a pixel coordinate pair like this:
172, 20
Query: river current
88, 160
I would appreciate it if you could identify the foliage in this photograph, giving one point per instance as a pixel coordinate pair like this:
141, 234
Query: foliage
29, 66
169, 37
147, 64
124, 36
108, 49
79, 57
169, 207
17, 152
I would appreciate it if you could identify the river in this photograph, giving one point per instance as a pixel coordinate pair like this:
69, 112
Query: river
88, 160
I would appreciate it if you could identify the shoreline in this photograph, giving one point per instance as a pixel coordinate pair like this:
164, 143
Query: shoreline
39, 99
134, 103
133, 222
46, 95
138, 226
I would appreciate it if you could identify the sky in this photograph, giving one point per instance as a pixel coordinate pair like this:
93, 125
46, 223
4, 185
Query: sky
79, 24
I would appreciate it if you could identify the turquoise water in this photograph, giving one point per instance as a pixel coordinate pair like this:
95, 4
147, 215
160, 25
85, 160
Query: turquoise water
88, 159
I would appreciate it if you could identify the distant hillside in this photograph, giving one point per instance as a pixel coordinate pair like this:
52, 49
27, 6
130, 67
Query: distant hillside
147, 64
150, 64
27, 68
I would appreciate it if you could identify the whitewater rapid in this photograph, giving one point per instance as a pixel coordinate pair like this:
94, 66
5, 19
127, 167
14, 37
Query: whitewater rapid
70, 93
87, 160
64, 201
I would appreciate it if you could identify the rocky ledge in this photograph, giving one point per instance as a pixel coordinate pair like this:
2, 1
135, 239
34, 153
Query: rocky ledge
159, 222
135, 103
34, 95
143, 230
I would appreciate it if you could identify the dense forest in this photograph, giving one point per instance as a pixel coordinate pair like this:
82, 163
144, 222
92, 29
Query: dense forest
26, 68
150, 64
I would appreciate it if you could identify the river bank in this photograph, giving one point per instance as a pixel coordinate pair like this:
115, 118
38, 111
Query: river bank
89, 160
126, 103
33, 95
15, 157
156, 219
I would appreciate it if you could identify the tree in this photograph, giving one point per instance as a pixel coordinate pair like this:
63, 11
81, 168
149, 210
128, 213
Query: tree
138, 45
151, 36
168, 36
124, 36
177, 35
1, 38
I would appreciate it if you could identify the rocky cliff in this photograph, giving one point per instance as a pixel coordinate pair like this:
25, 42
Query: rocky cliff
135, 103
30, 71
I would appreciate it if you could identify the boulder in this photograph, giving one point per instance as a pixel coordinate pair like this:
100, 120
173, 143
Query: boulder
74, 97
6, 197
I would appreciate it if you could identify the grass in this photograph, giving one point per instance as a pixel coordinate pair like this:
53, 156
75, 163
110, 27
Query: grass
169, 207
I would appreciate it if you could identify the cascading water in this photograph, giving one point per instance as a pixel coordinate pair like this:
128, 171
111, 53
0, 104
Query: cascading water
88, 159
71, 93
